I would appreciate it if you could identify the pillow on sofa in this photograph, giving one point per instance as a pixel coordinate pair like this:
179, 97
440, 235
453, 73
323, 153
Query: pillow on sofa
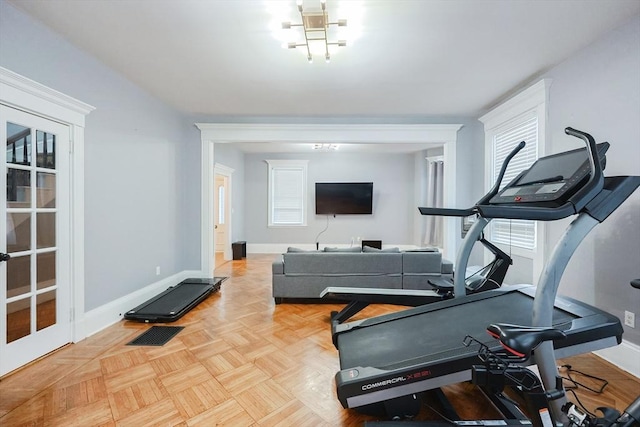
351, 249
370, 249
291, 249
427, 249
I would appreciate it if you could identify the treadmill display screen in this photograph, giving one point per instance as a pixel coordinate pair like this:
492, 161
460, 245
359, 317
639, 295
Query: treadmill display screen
561, 166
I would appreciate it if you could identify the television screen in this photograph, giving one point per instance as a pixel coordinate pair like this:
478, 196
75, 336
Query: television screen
344, 198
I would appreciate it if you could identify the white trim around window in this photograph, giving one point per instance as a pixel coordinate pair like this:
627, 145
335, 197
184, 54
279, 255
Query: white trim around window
529, 105
288, 193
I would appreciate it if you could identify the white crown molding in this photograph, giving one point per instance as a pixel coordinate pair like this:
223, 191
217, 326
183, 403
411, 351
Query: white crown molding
46, 101
329, 133
529, 98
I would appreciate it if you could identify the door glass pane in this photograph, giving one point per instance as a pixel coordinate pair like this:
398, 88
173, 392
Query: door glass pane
18, 188
18, 232
221, 205
45, 310
18, 319
46, 270
45, 190
18, 144
46, 229
18, 276
46, 150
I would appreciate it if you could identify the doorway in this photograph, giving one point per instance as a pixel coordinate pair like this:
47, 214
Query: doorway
227, 133
220, 226
222, 214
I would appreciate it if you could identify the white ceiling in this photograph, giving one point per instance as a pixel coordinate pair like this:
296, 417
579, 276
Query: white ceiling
405, 58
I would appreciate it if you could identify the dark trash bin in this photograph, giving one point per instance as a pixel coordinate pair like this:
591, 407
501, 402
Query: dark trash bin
239, 250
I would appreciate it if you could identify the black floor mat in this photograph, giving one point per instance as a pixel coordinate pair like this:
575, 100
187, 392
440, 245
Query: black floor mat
157, 335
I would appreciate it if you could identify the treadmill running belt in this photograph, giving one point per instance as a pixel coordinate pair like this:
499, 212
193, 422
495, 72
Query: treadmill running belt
181, 296
174, 302
421, 348
423, 343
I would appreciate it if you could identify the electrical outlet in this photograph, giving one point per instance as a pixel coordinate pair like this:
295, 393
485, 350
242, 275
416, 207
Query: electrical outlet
630, 319
157, 270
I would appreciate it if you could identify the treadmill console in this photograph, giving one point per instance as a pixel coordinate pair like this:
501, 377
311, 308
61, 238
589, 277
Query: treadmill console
551, 180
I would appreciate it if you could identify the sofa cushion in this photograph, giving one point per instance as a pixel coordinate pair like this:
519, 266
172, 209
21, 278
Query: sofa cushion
374, 250
344, 250
328, 264
421, 263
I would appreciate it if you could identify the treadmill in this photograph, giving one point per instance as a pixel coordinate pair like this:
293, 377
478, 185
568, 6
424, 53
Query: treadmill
487, 278
175, 301
387, 362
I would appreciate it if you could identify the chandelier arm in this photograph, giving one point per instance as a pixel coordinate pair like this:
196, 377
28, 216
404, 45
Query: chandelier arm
306, 39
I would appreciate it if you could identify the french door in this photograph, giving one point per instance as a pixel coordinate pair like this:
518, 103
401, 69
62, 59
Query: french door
35, 309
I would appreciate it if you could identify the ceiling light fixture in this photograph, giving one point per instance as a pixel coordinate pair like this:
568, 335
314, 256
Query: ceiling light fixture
314, 26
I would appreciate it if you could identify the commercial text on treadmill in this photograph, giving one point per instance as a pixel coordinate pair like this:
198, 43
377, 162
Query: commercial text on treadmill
409, 377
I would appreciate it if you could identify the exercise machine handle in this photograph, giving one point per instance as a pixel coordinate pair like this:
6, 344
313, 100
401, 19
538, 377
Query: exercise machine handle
574, 205
496, 186
596, 178
494, 190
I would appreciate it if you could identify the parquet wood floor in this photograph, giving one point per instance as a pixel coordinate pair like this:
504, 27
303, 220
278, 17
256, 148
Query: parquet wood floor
240, 361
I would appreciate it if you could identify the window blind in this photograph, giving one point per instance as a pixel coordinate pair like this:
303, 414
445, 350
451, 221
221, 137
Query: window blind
287, 196
520, 233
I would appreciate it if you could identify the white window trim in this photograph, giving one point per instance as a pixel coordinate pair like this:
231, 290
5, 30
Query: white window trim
531, 101
288, 164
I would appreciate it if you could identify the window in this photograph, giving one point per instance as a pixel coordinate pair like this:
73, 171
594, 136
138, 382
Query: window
287, 192
521, 118
519, 233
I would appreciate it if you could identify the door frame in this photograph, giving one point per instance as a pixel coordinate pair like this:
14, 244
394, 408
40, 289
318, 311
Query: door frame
24, 94
212, 133
220, 169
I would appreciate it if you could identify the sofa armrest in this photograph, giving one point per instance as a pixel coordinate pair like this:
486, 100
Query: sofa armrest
277, 267
447, 267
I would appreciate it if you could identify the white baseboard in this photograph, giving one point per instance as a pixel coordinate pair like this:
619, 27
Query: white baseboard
106, 315
626, 356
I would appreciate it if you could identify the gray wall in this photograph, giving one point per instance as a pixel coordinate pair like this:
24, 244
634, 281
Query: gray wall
391, 222
598, 91
141, 196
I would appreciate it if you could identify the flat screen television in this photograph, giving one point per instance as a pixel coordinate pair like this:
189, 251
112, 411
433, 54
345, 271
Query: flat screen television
344, 198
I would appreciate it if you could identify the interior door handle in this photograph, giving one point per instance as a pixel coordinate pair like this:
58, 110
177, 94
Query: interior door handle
4, 257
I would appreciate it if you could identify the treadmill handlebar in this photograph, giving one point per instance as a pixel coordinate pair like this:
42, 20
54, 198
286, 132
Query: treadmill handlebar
574, 205
485, 199
496, 186
533, 213
448, 211
596, 177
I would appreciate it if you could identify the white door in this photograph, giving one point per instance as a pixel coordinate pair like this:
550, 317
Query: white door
35, 281
220, 217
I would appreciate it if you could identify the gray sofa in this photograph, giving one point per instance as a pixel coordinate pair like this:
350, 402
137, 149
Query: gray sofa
304, 275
